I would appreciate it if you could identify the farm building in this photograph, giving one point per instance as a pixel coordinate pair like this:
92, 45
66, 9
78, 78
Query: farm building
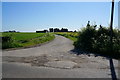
44, 31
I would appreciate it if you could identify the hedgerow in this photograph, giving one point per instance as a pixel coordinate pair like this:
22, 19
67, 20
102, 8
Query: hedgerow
98, 41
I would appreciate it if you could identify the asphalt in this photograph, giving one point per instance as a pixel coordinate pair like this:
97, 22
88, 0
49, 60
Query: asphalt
58, 45
54, 60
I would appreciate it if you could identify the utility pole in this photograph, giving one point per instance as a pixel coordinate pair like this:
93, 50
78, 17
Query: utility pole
114, 77
111, 26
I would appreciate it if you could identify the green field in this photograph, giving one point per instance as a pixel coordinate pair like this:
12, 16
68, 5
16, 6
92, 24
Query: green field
25, 39
23, 36
21, 39
71, 35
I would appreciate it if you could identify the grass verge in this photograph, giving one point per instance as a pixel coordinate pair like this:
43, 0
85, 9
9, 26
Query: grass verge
15, 40
71, 35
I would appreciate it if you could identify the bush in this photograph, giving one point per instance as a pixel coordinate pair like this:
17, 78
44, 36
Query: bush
86, 38
8, 42
98, 41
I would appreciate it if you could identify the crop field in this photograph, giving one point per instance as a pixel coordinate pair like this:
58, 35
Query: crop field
71, 35
23, 36
25, 39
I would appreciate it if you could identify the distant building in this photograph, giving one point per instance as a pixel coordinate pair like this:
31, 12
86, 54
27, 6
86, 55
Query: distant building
44, 31
10, 31
54, 30
70, 31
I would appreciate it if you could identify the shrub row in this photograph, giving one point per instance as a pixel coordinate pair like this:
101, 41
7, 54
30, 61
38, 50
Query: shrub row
98, 41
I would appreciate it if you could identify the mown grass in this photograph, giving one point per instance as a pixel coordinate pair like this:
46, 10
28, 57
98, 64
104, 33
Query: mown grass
71, 35
25, 39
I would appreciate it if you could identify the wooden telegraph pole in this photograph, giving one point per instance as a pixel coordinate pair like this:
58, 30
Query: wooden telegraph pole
111, 26
114, 77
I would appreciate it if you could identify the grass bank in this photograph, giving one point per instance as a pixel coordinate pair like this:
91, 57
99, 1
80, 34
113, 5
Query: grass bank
15, 40
71, 35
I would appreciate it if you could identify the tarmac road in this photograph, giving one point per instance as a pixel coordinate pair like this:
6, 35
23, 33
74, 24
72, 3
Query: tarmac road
58, 45
54, 60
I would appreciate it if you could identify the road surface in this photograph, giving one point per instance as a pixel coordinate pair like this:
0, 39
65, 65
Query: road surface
54, 60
